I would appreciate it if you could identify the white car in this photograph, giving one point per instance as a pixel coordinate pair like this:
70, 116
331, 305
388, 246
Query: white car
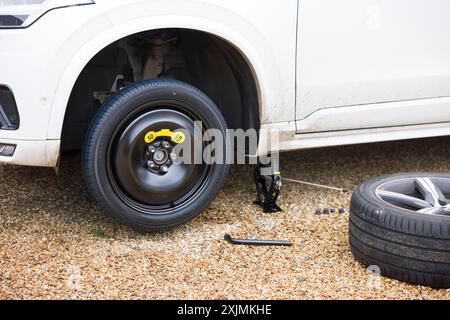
117, 78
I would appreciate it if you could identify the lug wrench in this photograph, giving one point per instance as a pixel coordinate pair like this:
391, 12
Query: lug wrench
251, 242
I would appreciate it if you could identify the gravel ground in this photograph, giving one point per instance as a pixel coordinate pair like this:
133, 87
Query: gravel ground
54, 242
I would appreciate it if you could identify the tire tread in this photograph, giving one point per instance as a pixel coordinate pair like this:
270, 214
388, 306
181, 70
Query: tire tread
409, 247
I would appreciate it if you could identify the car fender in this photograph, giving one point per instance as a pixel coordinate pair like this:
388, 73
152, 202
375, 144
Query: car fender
208, 18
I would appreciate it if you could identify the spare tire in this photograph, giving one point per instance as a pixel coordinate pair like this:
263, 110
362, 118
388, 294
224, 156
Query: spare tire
401, 223
128, 158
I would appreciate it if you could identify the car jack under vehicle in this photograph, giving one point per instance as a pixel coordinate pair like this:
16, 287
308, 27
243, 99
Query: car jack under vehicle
268, 187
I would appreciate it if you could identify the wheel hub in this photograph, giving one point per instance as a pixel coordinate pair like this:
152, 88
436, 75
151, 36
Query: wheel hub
158, 156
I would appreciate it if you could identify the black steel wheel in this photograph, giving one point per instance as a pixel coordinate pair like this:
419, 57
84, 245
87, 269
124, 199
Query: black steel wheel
130, 163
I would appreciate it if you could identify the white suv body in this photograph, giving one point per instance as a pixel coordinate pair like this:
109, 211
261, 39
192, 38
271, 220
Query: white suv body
327, 72
119, 79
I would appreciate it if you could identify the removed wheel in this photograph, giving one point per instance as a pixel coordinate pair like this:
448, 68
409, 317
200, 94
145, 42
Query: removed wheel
129, 161
401, 223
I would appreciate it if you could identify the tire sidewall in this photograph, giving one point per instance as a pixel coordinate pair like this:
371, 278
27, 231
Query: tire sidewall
367, 193
102, 131
403, 244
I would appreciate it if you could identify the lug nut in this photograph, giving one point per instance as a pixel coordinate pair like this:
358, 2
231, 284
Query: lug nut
164, 169
159, 156
150, 164
166, 145
151, 149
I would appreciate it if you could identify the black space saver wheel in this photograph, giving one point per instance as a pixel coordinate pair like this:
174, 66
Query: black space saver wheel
128, 159
401, 223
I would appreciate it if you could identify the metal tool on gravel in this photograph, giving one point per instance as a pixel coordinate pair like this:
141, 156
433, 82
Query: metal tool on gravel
256, 242
344, 190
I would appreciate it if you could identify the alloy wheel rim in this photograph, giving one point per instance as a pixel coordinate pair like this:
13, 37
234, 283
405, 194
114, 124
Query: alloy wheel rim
423, 195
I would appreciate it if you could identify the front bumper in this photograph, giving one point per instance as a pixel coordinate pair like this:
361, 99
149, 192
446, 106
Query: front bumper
25, 59
36, 153
32, 62
9, 115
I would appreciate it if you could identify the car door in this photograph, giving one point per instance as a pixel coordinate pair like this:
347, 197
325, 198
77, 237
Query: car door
372, 63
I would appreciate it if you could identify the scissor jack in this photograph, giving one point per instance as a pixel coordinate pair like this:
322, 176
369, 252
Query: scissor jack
269, 185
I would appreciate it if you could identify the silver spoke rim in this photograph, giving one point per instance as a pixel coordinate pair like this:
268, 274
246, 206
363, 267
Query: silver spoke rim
431, 210
446, 210
421, 195
403, 199
430, 191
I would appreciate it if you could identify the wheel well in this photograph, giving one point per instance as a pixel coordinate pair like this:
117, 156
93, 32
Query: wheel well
201, 59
